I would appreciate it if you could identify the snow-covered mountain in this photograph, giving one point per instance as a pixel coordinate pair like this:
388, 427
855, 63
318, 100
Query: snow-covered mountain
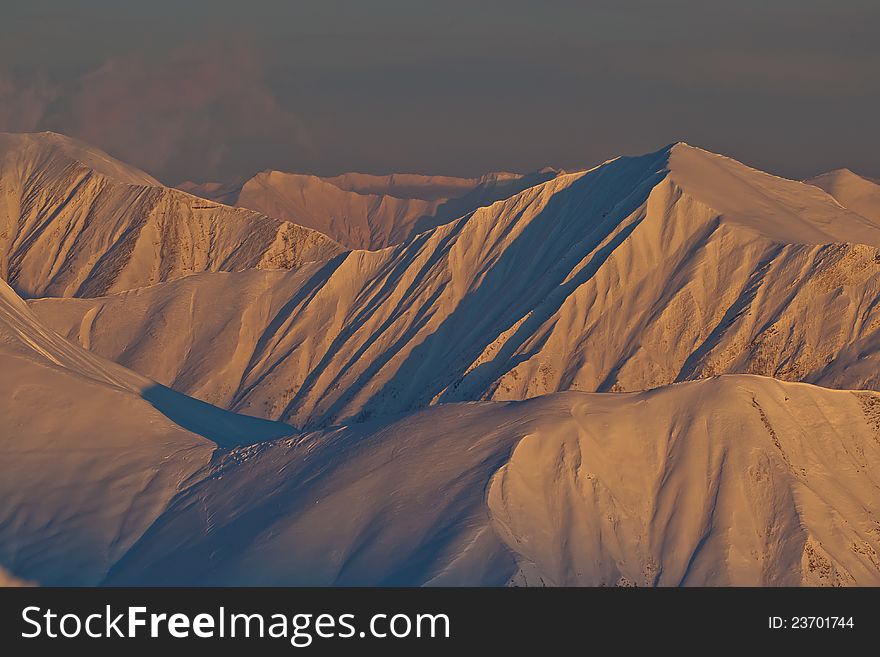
638, 273
75, 222
439, 416
365, 211
717, 482
852, 191
92, 453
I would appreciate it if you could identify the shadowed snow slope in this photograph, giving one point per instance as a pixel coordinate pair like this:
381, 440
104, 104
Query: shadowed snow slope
75, 222
364, 211
732, 480
90, 454
643, 271
851, 191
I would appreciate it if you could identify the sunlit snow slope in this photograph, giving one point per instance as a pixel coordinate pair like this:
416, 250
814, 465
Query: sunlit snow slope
443, 389
365, 211
851, 191
733, 480
91, 452
75, 222
644, 271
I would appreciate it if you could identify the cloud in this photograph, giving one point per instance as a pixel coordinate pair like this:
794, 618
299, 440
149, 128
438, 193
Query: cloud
24, 102
190, 112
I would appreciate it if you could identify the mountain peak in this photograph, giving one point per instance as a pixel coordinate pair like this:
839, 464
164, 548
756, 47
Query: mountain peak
851, 190
79, 222
51, 148
784, 210
840, 176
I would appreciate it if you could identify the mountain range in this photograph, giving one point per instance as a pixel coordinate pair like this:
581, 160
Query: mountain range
364, 211
657, 371
75, 222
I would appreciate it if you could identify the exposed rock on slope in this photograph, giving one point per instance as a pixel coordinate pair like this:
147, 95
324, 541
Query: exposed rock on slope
75, 222
364, 211
644, 271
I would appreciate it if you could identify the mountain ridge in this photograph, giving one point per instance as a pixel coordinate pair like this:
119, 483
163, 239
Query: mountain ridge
93, 452
70, 230
47, 145
515, 300
858, 193
714, 482
605, 378
366, 211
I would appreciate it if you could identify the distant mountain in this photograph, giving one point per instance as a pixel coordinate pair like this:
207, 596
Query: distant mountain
75, 222
364, 211
641, 272
852, 191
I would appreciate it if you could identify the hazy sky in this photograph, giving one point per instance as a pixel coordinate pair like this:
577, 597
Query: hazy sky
206, 90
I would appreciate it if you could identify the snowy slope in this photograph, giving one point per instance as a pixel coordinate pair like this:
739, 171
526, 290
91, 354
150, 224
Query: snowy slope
364, 211
851, 191
75, 222
653, 273
92, 453
718, 482
646, 270
729, 480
